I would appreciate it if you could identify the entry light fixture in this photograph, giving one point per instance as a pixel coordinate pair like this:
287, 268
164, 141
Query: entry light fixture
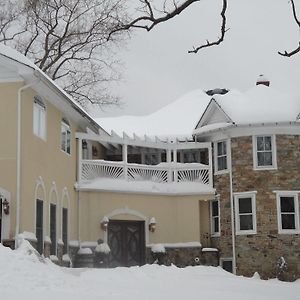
5, 205
152, 224
104, 223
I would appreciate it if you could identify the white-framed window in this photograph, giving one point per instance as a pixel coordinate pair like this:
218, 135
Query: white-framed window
287, 212
264, 152
245, 212
65, 136
221, 162
215, 217
39, 118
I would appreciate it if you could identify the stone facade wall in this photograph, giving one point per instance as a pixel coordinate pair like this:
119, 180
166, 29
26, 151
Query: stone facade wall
182, 257
260, 252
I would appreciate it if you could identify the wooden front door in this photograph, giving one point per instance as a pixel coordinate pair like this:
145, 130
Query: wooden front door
126, 240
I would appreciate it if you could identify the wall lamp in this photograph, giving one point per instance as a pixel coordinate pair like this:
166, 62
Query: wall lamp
152, 224
5, 205
104, 223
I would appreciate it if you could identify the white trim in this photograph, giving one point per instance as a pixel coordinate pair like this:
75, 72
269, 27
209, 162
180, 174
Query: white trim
53, 191
5, 220
274, 152
40, 184
224, 171
238, 196
213, 233
238, 130
146, 142
128, 211
293, 194
65, 195
65, 124
222, 259
36, 100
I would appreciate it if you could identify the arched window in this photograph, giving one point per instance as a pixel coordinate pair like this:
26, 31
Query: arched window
39, 118
65, 136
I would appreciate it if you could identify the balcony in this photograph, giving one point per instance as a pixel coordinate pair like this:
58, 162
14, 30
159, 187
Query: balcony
164, 178
169, 174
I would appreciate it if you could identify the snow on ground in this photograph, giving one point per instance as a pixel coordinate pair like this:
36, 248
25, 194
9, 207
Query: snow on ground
24, 276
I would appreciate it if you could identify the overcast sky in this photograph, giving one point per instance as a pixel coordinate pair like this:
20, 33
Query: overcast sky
157, 68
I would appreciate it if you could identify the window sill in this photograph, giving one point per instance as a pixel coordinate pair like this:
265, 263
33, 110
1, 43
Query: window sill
267, 168
289, 231
68, 154
246, 232
221, 172
213, 235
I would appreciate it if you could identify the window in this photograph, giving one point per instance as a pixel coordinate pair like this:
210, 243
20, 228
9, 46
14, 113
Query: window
226, 264
39, 118
65, 228
39, 226
264, 152
287, 212
221, 156
245, 213
53, 228
215, 217
65, 136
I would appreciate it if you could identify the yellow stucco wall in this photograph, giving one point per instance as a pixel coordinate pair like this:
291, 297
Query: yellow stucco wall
41, 160
178, 218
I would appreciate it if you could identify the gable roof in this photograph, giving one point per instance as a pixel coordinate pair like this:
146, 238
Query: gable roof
259, 105
178, 119
28, 71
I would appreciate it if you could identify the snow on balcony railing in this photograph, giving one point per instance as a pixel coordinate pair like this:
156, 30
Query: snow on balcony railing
161, 173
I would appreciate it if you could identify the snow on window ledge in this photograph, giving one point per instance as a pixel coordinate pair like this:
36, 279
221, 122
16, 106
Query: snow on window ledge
210, 250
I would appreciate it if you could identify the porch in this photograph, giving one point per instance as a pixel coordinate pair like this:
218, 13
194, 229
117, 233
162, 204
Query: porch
162, 174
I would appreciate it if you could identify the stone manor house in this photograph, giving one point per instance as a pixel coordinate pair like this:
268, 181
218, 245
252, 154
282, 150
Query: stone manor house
85, 193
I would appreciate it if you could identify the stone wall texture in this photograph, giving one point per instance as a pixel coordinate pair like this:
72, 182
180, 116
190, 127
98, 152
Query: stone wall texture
260, 252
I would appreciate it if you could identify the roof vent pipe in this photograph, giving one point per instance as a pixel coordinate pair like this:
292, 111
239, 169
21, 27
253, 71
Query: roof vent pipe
263, 80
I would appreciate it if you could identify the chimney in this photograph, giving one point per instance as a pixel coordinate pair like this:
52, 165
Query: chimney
262, 80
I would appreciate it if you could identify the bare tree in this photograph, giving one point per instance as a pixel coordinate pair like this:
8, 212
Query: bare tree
150, 16
67, 39
296, 50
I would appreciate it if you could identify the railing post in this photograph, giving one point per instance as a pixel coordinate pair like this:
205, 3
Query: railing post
79, 160
169, 165
175, 165
210, 170
124, 156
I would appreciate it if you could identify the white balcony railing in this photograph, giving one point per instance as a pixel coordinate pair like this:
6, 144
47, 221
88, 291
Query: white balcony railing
162, 173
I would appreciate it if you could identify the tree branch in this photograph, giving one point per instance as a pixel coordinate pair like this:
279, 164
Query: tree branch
293, 52
223, 31
149, 17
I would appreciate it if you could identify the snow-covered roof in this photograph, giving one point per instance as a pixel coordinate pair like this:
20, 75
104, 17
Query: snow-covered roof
17, 57
177, 119
259, 105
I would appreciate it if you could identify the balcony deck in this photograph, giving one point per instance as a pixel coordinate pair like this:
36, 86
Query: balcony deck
164, 178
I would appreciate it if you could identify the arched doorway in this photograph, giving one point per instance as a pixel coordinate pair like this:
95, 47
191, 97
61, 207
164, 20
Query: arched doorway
126, 237
127, 243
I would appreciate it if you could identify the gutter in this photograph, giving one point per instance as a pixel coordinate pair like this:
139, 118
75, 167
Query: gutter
18, 170
232, 212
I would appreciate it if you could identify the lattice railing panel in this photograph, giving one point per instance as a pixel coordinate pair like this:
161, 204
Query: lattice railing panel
193, 175
147, 173
95, 169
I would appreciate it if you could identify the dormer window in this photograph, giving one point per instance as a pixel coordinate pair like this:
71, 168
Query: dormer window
65, 136
39, 118
264, 149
